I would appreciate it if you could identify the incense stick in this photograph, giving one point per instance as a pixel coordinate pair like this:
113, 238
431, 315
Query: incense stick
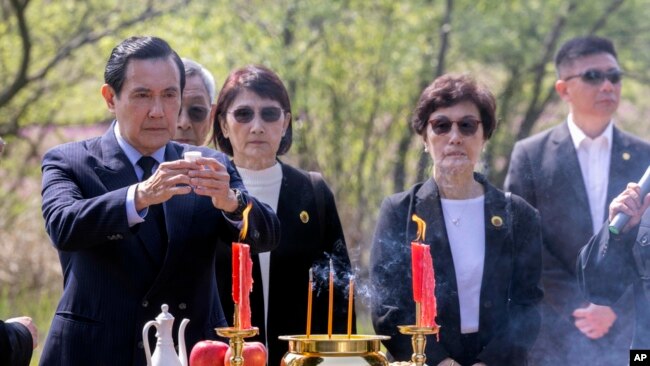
309, 301
331, 301
350, 306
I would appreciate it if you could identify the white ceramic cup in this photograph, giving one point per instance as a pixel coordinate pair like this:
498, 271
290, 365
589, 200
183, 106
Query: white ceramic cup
191, 156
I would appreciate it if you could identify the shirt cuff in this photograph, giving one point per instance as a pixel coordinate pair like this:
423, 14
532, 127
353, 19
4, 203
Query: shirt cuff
236, 223
133, 216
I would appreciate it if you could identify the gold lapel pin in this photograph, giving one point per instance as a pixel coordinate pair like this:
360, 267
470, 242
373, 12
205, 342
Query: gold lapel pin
626, 156
304, 217
497, 221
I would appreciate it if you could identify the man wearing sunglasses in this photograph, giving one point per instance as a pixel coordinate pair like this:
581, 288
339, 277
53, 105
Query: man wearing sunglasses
570, 173
197, 110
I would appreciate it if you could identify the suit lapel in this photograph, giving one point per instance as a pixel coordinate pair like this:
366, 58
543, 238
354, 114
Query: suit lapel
622, 162
117, 171
562, 150
496, 232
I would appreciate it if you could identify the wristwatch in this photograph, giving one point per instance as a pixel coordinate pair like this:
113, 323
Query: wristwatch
241, 203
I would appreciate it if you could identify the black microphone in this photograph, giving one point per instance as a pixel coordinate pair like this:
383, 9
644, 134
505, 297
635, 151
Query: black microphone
621, 219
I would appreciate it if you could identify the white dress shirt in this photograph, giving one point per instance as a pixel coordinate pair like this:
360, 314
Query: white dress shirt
594, 156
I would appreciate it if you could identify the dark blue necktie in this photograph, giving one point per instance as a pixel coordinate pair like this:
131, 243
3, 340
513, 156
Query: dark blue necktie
156, 212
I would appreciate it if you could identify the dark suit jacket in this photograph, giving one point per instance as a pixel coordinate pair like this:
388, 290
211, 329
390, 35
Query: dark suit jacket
545, 171
111, 284
301, 247
510, 291
16, 344
610, 263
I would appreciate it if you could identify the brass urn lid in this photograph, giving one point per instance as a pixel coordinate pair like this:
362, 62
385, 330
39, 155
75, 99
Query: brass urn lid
338, 344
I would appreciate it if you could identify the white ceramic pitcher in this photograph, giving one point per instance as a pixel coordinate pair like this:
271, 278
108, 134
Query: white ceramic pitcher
165, 354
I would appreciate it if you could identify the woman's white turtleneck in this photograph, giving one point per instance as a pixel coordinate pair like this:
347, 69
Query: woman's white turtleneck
265, 186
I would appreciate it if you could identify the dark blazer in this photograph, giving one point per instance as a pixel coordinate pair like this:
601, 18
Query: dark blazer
545, 171
16, 344
510, 291
610, 263
111, 284
302, 245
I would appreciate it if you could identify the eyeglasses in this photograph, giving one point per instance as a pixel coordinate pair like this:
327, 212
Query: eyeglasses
197, 114
246, 114
597, 77
467, 126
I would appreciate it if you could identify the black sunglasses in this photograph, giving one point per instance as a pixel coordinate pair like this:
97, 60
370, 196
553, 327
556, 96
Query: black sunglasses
197, 114
246, 114
597, 77
442, 125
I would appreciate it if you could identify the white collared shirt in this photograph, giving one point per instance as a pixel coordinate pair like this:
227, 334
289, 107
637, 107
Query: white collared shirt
594, 156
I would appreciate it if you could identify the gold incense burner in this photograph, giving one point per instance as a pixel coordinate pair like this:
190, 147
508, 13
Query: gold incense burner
339, 350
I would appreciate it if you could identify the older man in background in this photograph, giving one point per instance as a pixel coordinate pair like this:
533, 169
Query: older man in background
197, 110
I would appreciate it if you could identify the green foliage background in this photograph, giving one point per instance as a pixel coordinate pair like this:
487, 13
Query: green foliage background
354, 70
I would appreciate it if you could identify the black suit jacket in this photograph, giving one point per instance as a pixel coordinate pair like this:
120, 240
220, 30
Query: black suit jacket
301, 247
16, 344
510, 289
610, 263
112, 285
545, 171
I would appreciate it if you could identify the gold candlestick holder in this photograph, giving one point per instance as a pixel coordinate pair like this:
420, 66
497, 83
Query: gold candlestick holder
236, 337
418, 341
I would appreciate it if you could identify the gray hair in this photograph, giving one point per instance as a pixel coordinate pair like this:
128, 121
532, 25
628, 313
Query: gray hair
194, 68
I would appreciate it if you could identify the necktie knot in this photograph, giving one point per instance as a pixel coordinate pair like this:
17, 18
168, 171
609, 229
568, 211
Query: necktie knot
147, 163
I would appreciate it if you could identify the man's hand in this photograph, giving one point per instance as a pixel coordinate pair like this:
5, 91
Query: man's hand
171, 178
631, 203
594, 320
213, 181
27, 322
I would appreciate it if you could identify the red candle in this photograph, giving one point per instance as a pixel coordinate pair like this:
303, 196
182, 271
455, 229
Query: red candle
242, 283
242, 277
424, 282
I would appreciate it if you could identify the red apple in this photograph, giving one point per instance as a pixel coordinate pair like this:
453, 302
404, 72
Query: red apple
254, 354
208, 353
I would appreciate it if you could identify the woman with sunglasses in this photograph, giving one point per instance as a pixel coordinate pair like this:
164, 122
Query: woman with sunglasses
253, 125
485, 244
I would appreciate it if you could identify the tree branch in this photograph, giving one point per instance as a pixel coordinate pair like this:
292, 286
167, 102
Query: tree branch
20, 79
611, 9
81, 38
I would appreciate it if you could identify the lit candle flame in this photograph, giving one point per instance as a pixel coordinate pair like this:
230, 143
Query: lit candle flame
309, 301
422, 227
244, 229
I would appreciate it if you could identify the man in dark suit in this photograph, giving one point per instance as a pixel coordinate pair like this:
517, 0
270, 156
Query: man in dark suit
135, 225
610, 263
570, 173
